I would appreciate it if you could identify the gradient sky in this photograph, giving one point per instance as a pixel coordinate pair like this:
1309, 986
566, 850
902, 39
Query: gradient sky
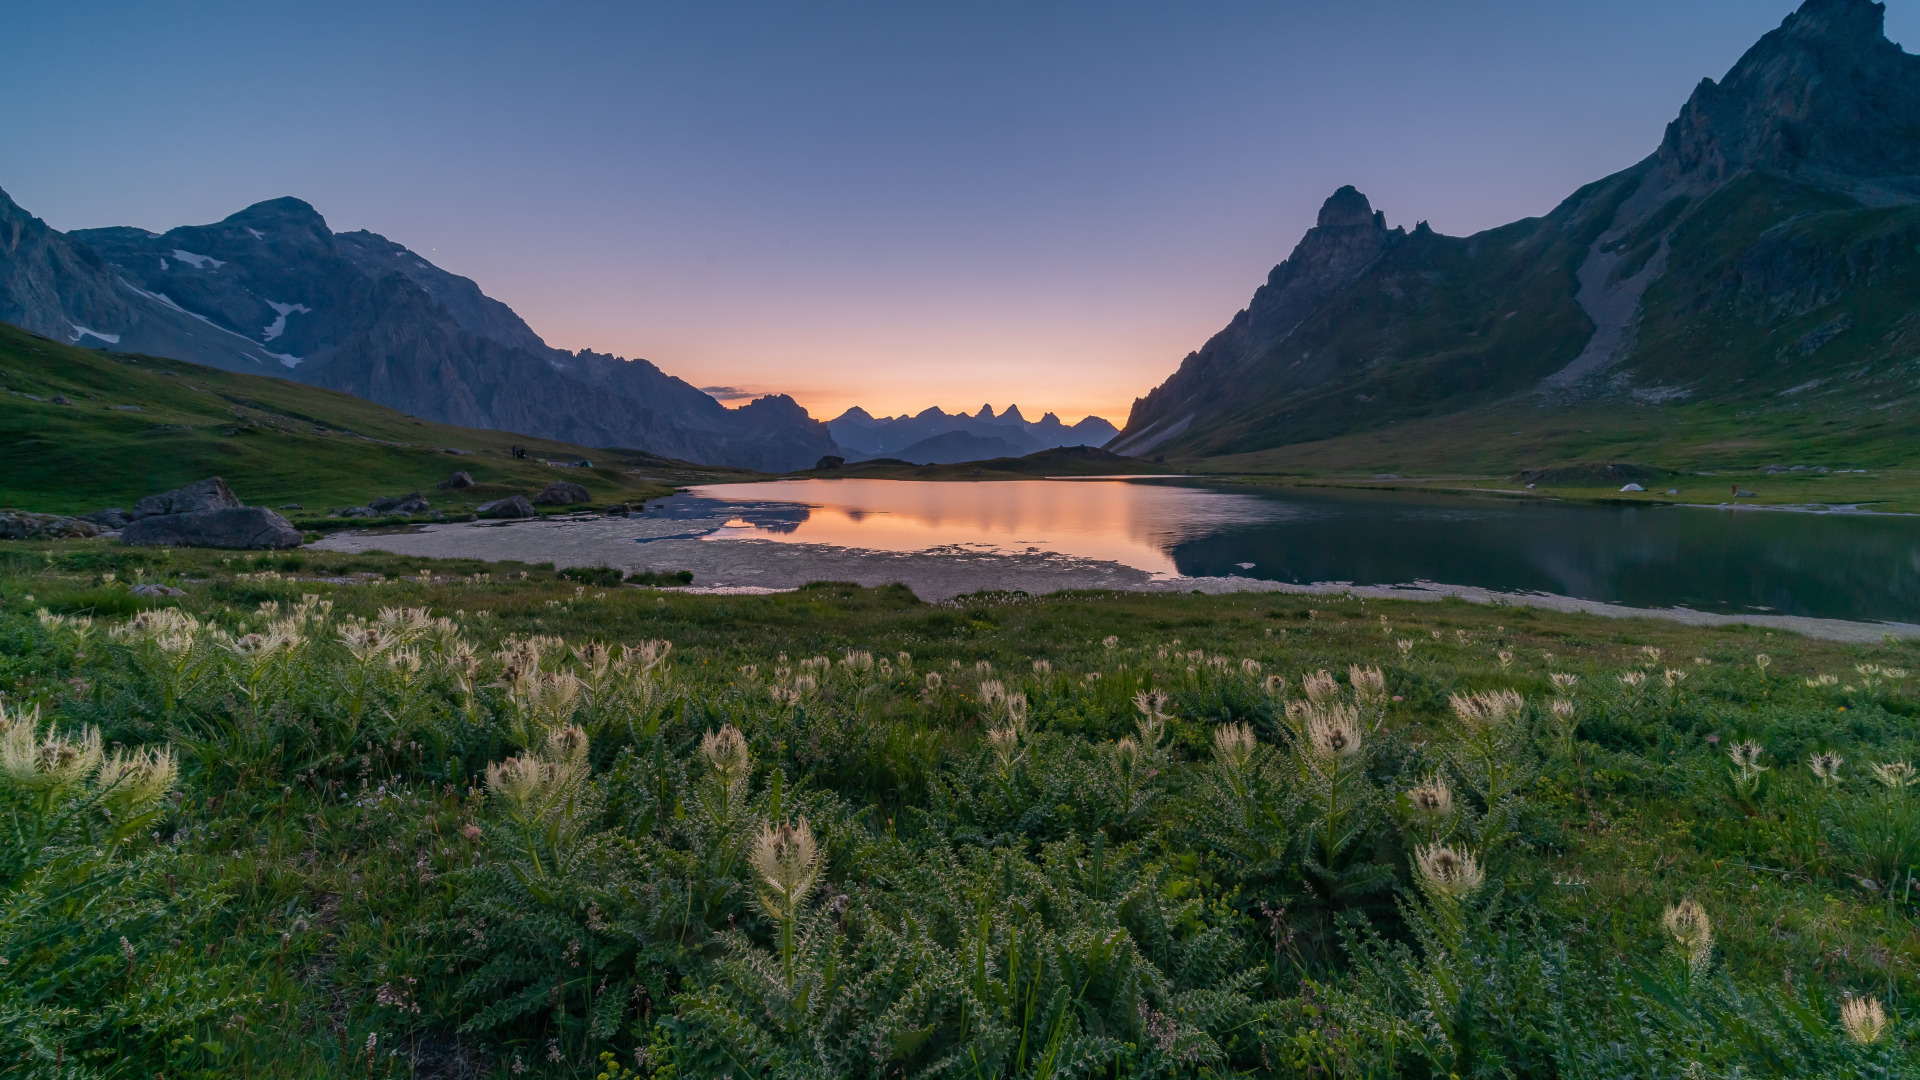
890, 204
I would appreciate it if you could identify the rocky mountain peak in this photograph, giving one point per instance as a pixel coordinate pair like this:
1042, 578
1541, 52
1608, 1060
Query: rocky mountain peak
1825, 93
1347, 207
282, 213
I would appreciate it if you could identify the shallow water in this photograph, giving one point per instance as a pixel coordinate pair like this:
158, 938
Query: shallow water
1844, 566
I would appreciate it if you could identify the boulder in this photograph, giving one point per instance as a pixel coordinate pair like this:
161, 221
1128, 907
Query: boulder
515, 507
21, 525
619, 510
459, 481
209, 494
153, 589
562, 493
111, 518
291, 506
410, 503
228, 527
357, 511
830, 461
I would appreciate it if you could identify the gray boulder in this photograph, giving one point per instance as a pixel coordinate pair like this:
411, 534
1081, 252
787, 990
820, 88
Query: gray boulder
150, 588
21, 525
457, 482
111, 518
515, 507
228, 527
562, 493
209, 494
357, 511
410, 503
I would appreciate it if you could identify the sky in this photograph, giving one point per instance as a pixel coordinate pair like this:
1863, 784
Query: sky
892, 204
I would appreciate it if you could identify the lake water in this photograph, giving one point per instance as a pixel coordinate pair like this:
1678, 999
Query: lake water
1846, 566
1040, 536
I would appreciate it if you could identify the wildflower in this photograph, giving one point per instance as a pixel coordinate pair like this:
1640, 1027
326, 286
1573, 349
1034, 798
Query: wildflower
1017, 706
471, 832
1675, 676
1447, 874
749, 671
1093, 677
992, 691
933, 680
594, 656
1233, 746
1763, 662
1562, 709
1825, 764
858, 660
1505, 657
32, 763
1250, 667
1433, 798
1368, 683
1005, 743
804, 684
1275, 685
1746, 757
1041, 667
788, 862
1487, 710
906, 660
727, 755
1153, 704
1692, 932
1334, 731
1632, 680
1319, 687
1650, 652
1405, 646
1821, 681
365, 642
132, 781
983, 668
1863, 1020
1110, 641
1896, 775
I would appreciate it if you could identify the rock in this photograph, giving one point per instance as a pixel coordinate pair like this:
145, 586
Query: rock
1386, 476
1745, 495
619, 510
457, 482
291, 506
356, 511
562, 493
60, 399
228, 527
209, 494
515, 507
111, 518
151, 589
830, 461
410, 503
21, 525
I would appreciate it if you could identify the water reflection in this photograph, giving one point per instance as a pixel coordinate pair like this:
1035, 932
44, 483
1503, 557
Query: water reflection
1836, 566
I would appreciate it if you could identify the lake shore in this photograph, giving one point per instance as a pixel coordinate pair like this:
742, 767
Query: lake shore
937, 574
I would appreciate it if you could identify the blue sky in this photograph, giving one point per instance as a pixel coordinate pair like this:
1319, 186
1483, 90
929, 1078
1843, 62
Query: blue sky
890, 204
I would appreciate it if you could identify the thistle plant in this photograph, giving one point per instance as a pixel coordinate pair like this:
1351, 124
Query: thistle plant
787, 861
730, 765
1489, 752
1896, 776
1825, 764
1692, 933
1863, 1020
1748, 776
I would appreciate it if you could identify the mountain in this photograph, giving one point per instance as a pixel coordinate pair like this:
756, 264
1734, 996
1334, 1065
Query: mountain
858, 430
272, 290
1765, 257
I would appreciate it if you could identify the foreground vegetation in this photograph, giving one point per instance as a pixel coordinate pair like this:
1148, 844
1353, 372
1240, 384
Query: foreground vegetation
458, 819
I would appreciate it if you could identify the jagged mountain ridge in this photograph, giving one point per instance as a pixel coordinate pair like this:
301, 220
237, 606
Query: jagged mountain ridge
272, 290
1765, 249
889, 436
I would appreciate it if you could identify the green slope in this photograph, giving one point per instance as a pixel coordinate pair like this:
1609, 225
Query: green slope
134, 425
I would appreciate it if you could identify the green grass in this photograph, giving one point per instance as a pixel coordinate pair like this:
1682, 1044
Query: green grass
273, 441
1063, 887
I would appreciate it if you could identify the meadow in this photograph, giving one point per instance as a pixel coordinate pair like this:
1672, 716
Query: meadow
324, 815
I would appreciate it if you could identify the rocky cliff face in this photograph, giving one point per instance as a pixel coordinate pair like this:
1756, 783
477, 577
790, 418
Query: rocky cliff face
1770, 244
272, 290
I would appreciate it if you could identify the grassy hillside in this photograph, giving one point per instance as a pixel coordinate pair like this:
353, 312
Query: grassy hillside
1486, 448
406, 830
135, 425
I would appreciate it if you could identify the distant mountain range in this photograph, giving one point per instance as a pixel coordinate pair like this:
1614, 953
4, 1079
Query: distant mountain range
272, 290
934, 437
1766, 255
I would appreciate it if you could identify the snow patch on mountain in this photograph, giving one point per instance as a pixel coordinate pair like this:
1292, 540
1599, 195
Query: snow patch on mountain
279, 325
198, 262
81, 331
